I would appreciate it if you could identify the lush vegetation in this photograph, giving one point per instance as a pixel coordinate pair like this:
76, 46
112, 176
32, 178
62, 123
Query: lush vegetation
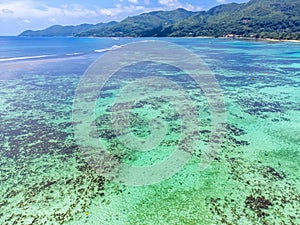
278, 19
58, 30
146, 24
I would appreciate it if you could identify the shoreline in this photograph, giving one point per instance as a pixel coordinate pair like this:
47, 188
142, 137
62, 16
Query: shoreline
278, 40
261, 39
229, 38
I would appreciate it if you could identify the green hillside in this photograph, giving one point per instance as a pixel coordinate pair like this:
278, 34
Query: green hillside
278, 19
257, 18
58, 30
144, 25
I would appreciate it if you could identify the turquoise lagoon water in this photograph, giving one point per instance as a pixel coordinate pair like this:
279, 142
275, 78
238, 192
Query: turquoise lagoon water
45, 178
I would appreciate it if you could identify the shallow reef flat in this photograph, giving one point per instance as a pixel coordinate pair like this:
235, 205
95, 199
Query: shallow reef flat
45, 178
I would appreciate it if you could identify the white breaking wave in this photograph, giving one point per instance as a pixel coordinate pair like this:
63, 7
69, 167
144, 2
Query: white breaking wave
46, 56
76, 53
25, 57
109, 49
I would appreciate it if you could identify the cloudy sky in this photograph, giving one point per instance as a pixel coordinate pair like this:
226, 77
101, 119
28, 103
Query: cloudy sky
19, 15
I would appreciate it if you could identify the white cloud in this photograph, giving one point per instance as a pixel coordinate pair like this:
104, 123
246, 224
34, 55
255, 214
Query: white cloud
106, 12
134, 1
7, 11
174, 4
52, 20
32, 9
221, 1
119, 9
170, 3
199, 8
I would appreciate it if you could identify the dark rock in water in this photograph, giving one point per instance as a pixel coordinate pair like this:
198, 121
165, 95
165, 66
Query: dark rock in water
271, 173
235, 130
258, 204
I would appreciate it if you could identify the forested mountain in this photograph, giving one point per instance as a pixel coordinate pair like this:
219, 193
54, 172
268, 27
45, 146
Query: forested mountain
146, 24
258, 18
58, 30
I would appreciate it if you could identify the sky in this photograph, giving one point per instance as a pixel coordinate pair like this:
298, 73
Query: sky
19, 15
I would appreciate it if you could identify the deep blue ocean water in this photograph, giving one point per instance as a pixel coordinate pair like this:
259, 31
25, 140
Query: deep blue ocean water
46, 178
